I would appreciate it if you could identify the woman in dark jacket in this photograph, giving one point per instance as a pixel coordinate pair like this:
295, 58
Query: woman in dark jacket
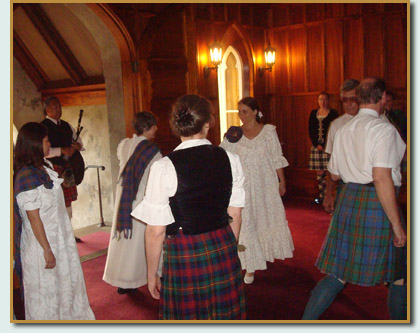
319, 122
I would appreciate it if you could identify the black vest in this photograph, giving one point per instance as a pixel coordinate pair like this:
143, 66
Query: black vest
59, 136
204, 189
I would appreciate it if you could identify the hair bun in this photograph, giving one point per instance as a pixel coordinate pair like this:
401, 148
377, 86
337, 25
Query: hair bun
183, 114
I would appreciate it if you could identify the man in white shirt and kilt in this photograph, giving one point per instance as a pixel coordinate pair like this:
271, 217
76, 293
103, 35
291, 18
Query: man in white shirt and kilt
366, 238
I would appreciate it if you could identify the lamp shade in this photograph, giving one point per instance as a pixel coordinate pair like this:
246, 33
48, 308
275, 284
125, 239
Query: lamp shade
216, 54
270, 56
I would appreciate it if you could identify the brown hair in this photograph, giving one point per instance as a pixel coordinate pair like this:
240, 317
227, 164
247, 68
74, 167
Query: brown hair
324, 93
143, 121
29, 149
252, 103
189, 114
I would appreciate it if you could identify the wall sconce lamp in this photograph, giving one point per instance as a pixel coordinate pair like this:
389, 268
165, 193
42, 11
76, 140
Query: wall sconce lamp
215, 58
270, 59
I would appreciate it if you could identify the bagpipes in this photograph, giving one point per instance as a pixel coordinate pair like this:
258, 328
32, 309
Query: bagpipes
75, 165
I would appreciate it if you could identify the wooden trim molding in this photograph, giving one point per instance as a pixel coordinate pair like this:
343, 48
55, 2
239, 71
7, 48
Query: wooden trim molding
94, 94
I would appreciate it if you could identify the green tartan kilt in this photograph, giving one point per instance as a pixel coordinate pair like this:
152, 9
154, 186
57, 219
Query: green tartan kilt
358, 247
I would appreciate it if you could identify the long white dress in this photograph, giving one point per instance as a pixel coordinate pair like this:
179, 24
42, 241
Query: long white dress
264, 231
58, 293
126, 260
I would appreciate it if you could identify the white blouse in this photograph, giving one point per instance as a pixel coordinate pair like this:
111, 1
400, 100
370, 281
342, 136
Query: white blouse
163, 182
366, 142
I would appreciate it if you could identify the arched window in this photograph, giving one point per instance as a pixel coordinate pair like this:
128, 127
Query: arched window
230, 76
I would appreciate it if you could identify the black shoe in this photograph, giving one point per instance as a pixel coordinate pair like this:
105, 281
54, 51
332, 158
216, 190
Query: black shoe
123, 291
78, 240
317, 201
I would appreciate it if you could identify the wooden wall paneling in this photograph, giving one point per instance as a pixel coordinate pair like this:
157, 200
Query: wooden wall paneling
373, 46
219, 12
190, 46
333, 55
353, 9
285, 121
389, 7
205, 36
280, 16
353, 49
245, 15
333, 10
315, 57
296, 14
301, 182
301, 107
395, 52
256, 37
279, 40
371, 8
202, 11
314, 12
168, 76
260, 16
297, 46
168, 35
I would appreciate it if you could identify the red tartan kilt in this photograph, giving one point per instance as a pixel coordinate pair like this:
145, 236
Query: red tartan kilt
70, 193
202, 278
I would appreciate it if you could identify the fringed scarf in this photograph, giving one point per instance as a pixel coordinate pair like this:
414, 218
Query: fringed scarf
131, 176
27, 178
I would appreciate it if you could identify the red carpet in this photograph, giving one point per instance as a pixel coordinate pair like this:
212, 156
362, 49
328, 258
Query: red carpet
279, 293
93, 243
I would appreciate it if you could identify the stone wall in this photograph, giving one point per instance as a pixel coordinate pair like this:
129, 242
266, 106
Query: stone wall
95, 139
27, 103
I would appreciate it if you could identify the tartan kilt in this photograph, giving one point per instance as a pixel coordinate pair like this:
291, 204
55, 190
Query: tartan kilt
201, 278
318, 160
70, 193
358, 247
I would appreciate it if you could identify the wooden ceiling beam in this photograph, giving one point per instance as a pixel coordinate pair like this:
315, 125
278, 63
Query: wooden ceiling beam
28, 63
55, 42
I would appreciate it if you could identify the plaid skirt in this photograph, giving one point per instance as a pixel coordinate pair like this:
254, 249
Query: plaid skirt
358, 247
318, 160
201, 278
70, 193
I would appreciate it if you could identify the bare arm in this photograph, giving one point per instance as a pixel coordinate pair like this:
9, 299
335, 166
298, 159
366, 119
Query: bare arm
235, 213
282, 181
384, 185
41, 237
154, 238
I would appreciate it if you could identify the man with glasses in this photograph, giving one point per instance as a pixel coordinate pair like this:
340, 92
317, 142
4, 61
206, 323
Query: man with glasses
351, 108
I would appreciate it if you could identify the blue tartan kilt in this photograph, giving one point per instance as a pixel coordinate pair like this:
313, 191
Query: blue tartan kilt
358, 247
201, 278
